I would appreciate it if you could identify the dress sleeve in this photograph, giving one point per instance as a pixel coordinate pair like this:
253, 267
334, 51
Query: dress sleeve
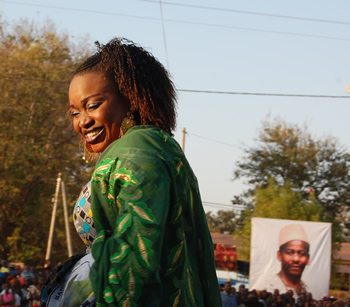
130, 204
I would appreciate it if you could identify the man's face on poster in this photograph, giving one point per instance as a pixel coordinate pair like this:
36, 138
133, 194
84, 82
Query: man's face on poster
294, 256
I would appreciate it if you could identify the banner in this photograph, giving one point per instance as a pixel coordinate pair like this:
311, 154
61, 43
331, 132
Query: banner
290, 255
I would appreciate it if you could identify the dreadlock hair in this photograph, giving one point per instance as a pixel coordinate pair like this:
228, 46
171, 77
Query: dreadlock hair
139, 77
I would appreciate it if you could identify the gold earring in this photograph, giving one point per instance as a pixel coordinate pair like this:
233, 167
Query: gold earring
89, 154
127, 123
88, 147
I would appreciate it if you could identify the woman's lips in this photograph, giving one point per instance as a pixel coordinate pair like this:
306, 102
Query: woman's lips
92, 135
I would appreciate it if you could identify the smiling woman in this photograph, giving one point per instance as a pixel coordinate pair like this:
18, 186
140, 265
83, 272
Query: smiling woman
97, 110
141, 214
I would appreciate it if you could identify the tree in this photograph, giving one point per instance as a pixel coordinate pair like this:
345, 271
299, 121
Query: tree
37, 140
223, 221
288, 153
274, 201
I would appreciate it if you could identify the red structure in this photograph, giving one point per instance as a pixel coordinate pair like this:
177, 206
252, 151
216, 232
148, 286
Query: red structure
225, 256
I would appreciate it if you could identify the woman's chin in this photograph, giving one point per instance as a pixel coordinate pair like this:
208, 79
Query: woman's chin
98, 148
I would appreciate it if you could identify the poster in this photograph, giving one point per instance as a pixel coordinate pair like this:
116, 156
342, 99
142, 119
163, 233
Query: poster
286, 253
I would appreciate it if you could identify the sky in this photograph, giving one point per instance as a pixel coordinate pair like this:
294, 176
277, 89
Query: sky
217, 50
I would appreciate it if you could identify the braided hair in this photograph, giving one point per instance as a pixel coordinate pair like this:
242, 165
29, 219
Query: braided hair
139, 77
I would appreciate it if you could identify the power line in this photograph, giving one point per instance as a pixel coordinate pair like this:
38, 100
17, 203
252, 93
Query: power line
194, 91
164, 35
259, 30
179, 21
77, 10
216, 141
251, 13
263, 94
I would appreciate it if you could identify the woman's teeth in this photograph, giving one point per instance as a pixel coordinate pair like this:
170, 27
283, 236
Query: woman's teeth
92, 135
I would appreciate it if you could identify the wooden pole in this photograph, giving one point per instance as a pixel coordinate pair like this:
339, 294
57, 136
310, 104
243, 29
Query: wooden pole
66, 220
183, 139
53, 219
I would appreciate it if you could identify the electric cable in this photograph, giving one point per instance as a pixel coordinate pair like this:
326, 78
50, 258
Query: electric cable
263, 94
180, 21
8, 76
250, 12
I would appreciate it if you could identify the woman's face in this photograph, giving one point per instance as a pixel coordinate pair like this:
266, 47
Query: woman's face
97, 109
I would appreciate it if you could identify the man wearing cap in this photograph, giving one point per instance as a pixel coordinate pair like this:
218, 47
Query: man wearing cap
294, 255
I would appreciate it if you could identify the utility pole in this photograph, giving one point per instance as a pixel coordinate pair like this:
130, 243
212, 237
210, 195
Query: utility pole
183, 139
53, 219
66, 220
59, 184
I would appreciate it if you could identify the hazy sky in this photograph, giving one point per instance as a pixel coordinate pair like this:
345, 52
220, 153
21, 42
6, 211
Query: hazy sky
271, 47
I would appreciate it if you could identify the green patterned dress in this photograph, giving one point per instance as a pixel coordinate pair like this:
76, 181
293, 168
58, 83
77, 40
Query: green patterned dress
153, 246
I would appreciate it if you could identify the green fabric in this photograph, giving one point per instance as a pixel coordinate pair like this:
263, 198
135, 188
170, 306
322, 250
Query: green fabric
153, 246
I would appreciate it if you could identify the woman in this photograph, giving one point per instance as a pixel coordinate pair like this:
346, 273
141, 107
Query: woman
152, 245
34, 291
7, 298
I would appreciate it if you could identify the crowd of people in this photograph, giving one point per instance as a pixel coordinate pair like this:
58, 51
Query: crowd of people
244, 297
21, 286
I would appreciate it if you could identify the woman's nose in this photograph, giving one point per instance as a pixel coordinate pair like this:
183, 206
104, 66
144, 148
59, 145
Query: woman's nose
85, 120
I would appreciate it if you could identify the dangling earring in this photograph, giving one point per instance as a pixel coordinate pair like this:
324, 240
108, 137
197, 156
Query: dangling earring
127, 123
89, 154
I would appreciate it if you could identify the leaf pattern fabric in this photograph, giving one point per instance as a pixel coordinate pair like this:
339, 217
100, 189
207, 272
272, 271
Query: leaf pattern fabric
153, 246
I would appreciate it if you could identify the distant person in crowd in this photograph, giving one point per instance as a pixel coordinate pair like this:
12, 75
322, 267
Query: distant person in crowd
26, 272
24, 289
263, 297
227, 297
12, 269
33, 292
4, 266
240, 294
7, 298
279, 300
253, 301
288, 297
12, 278
294, 256
297, 294
2, 281
276, 293
309, 298
15, 288
241, 288
34, 271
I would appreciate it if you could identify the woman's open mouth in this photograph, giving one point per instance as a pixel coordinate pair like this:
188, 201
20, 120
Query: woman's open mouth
92, 135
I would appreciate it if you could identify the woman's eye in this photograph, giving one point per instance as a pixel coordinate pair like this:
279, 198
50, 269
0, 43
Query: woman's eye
93, 106
74, 113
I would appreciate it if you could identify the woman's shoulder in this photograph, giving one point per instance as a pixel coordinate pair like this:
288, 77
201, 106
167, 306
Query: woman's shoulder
144, 141
146, 136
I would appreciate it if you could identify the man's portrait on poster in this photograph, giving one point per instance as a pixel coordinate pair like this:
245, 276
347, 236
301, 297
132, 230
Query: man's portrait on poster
294, 256
289, 255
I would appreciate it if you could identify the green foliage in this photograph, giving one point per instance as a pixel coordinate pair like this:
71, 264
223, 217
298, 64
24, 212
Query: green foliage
223, 221
37, 140
287, 152
285, 203
274, 201
339, 281
292, 175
